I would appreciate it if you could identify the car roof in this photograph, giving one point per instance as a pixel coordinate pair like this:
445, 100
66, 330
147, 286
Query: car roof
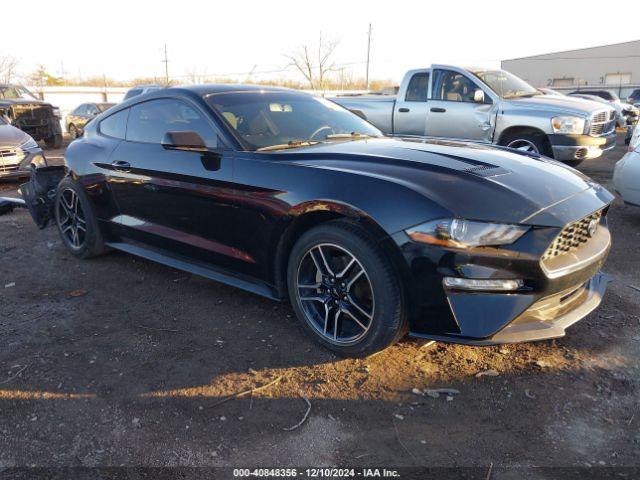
198, 91
208, 89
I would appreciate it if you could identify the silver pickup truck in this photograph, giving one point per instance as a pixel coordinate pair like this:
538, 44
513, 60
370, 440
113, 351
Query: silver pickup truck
489, 106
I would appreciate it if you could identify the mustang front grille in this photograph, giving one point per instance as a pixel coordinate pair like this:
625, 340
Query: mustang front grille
572, 236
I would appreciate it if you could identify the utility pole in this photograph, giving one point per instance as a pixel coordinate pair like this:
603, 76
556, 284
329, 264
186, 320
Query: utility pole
166, 65
63, 73
368, 56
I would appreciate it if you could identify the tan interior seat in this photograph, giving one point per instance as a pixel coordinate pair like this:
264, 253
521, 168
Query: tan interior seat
231, 118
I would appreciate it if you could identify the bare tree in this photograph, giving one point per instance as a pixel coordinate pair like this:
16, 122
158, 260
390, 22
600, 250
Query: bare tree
195, 76
8, 66
314, 70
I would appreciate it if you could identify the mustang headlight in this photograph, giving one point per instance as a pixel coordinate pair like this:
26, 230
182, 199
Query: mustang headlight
38, 161
28, 144
568, 124
458, 233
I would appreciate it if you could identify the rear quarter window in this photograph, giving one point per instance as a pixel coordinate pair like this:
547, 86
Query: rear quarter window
115, 125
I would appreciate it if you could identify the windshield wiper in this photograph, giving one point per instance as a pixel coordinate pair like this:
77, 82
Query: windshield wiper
337, 136
284, 146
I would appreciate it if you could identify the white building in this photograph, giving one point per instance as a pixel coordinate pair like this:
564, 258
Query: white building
613, 67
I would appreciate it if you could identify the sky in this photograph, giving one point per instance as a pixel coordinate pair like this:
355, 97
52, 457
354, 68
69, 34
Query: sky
125, 39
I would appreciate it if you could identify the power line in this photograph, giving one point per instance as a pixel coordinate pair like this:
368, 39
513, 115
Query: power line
589, 58
258, 72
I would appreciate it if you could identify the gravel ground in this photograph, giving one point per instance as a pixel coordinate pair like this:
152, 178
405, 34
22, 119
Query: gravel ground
119, 361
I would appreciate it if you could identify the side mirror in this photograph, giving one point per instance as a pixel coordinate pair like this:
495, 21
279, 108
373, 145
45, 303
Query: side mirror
186, 141
478, 96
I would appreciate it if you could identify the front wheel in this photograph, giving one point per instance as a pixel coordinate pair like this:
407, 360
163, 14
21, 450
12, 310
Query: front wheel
73, 131
527, 143
345, 291
77, 225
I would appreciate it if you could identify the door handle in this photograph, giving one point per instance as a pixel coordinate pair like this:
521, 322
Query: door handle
121, 165
403, 110
438, 110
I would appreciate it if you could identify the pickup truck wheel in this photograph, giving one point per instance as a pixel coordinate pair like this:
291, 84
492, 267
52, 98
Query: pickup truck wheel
54, 142
345, 291
527, 143
77, 225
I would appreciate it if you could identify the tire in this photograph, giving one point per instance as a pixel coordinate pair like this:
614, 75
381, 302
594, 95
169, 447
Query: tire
89, 238
374, 297
73, 131
54, 141
528, 143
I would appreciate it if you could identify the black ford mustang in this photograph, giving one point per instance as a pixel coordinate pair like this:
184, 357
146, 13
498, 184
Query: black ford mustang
291, 196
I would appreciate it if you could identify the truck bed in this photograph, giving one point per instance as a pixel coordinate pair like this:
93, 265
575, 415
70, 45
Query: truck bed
377, 109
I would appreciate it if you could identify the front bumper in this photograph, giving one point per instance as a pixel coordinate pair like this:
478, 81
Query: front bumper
21, 167
581, 147
557, 290
545, 319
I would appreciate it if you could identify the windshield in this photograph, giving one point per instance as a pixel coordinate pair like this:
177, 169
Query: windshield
104, 106
505, 84
273, 120
16, 93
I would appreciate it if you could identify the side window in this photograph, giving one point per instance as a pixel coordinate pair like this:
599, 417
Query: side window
92, 109
115, 125
150, 121
453, 87
418, 88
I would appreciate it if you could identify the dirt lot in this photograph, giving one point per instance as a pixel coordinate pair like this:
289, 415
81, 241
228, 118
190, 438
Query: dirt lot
119, 361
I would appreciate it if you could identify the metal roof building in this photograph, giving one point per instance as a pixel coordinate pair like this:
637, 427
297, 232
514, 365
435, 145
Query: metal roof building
614, 67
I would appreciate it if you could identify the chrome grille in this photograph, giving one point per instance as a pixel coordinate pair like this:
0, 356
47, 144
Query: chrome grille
10, 159
602, 123
599, 117
571, 237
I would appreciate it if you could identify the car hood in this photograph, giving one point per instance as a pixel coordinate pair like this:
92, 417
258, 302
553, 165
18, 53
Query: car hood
469, 180
561, 104
10, 136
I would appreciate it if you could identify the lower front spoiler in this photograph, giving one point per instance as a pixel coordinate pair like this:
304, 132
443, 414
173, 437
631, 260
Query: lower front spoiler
546, 319
581, 147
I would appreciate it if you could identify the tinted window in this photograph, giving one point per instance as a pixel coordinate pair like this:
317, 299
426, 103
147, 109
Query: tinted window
150, 121
418, 88
453, 86
273, 119
81, 110
115, 125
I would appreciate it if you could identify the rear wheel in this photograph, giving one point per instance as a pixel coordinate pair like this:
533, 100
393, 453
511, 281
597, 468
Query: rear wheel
345, 290
54, 141
77, 225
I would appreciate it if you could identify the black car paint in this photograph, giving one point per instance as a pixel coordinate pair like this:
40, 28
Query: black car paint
235, 218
